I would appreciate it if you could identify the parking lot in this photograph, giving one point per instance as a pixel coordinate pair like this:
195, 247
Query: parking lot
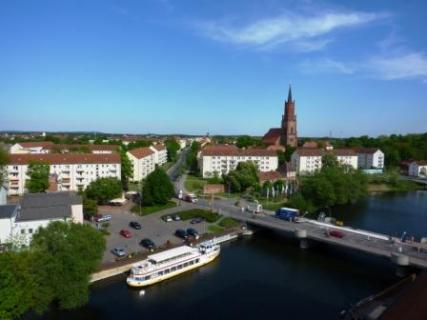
153, 227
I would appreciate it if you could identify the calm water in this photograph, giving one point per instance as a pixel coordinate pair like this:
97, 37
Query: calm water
269, 275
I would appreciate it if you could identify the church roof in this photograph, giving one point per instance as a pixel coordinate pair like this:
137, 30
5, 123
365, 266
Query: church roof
272, 136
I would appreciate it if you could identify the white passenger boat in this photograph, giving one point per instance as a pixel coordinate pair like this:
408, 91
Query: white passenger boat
170, 263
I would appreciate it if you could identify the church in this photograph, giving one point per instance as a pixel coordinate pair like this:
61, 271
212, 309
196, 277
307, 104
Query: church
286, 135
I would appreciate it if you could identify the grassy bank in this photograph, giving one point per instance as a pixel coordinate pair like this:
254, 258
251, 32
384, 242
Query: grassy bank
194, 184
152, 209
199, 213
273, 205
222, 225
390, 181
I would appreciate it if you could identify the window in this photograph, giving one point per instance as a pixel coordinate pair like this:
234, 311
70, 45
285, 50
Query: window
186, 264
179, 266
160, 273
30, 230
173, 269
22, 231
166, 271
197, 260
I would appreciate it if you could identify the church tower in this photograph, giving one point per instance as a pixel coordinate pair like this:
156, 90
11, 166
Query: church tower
289, 123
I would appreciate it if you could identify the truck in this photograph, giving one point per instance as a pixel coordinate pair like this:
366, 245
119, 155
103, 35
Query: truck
289, 214
254, 207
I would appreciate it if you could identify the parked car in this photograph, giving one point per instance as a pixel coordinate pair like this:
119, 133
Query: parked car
119, 252
193, 233
336, 234
167, 218
190, 197
126, 233
197, 220
176, 217
181, 233
101, 218
135, 225
147, 243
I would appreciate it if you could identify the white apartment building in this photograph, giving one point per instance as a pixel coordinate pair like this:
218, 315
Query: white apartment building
43, 147
370, 158
143, 161
418, 169
221, 159
18, 222
308, 160
160, 154
71, 172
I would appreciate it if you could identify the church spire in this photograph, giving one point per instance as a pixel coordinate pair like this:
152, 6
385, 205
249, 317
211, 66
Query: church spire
290, 94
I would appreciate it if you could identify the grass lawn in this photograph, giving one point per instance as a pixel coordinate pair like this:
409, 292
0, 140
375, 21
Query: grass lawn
273, 205
167, 165
134, 186
194, 184
199, 213
228, 222
214, 228
151, 209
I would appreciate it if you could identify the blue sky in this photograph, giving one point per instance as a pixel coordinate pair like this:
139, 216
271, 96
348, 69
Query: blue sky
223, 66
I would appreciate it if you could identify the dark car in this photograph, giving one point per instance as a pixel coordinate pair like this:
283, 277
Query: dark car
176, 217
147, 243
336, 234
135, 225
193, 233
167, 218
181, 233
196, 220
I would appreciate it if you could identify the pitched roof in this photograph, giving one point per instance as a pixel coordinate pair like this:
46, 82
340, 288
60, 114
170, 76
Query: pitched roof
36, 144
270, 176
68, 158
7, 210
159, 147
420, 162
272, 136
142, 152
46, 206
231, 150
316, 152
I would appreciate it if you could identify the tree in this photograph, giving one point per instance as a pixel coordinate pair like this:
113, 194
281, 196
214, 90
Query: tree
39, 176
172, 147
244, 176
157, 188
329, 160
16, 285
246, 141
63, 256
126, 170
90, 207
288, 153
4, 160
104, 189
191, 160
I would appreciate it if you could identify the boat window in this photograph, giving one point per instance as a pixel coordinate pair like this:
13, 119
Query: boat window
191, 262
166, 271
147, 277
173, 269
179, 266
186, 264
197, 260
160, 273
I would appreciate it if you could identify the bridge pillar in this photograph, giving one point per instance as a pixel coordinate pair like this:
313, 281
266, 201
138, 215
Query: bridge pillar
402, 262
301, 234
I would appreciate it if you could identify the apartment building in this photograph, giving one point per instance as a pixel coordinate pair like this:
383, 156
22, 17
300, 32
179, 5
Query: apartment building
143, 161
308, 160
69, 172
220, 159
160, 154
370, 158
49, 147
18, 222
418, 169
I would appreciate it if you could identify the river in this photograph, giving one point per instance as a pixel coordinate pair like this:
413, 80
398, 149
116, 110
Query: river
268, 274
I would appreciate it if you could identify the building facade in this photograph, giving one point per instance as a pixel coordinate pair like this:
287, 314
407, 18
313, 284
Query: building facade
71, 172
418, 169
306, 161
43, 147
160, 154
143, 161
18, 222
286, 135
370, 158
220, 159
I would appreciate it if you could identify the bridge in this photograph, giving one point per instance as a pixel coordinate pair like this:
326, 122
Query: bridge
414, 179
401, 253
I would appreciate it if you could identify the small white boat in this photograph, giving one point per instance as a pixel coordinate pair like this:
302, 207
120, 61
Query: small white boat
167, 264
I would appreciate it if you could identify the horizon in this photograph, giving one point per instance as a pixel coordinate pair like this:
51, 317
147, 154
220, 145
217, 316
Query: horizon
224, 68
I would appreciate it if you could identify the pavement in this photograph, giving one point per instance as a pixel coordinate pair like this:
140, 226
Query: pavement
153, 227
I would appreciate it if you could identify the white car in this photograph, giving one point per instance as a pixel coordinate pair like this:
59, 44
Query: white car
120, 252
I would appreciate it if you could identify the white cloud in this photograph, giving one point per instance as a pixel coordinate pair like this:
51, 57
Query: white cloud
294, 28
326, 65
407, 66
